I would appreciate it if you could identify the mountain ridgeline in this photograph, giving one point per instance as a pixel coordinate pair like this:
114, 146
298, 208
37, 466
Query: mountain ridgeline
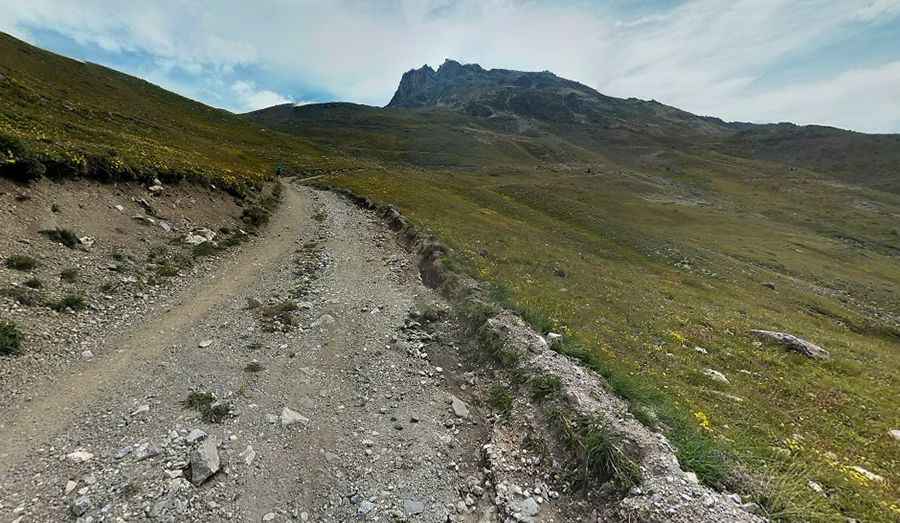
543, 96
467, 116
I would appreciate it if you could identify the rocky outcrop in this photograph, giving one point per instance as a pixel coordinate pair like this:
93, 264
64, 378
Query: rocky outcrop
413, 85
806, 348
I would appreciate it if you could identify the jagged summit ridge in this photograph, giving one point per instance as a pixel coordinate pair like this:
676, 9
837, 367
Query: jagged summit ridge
526, 97
453, 83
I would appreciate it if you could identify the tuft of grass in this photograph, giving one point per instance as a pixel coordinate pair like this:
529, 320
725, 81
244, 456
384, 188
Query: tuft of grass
109, 287
23, 296
544, 387
20, 262
784, 494
74, 302
281, 312
157, 251
600, 455
62, 236
500, 399
205, 403
204, 249
255, 216
167, 270
496, 350
254, 366
11, 338
69, 275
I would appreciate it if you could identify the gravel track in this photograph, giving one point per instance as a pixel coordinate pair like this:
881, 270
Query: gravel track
376, 437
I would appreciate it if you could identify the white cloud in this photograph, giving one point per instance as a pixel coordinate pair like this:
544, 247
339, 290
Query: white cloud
251, 98
851, 100
706, 56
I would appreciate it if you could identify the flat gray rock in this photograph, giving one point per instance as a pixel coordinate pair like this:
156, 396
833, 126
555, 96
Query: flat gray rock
808, 349
291, 417
205, 461
411, 507
459, 407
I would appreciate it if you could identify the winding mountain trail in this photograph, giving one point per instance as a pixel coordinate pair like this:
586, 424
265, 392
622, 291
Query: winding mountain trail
346, 414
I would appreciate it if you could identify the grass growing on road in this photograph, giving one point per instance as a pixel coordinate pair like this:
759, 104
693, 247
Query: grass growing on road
19, 262
11, 338
639, 268
205, 403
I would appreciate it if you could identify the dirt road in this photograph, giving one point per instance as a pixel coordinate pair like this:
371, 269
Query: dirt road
335, 400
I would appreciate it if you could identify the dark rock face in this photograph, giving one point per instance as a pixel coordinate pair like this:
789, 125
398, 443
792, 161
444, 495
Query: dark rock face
541, 96
414, 84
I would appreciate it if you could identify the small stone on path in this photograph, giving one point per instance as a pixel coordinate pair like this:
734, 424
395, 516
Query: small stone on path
290, 417
412, 507
194, 436
459, 407
80, 456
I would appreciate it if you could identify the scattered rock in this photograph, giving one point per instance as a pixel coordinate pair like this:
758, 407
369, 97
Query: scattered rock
527, 507
146, 451
80, 456
715, 375
411, 507
815, 487
205, 233
290, 417
88, 355
143, 409
459, 407
871, 476
205, 461
323, 321
364, 508
204, 344
895, 434
193, 239
770, 285
80, 506
701, 350
269, 517
808, 349
248, 455
194, 436
156, 189
554, 339
70, 486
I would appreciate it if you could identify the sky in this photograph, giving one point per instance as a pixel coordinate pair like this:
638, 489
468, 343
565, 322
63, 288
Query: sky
832, 62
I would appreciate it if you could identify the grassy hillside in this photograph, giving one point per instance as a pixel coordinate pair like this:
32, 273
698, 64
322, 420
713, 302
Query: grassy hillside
642, 266
70, 117
642, 247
